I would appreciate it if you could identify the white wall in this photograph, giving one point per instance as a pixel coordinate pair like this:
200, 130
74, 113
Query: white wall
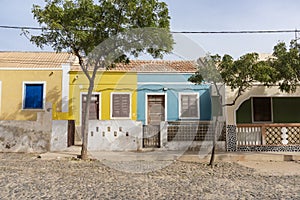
59, 135
115, 135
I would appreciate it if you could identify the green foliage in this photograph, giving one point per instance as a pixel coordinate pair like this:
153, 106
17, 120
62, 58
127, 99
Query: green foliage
238, 74
286, 62
80, 25
207, 70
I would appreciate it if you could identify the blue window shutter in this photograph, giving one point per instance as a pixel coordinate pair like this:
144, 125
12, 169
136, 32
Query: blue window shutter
34, 96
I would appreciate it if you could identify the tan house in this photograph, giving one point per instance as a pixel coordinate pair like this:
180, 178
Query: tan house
263, 119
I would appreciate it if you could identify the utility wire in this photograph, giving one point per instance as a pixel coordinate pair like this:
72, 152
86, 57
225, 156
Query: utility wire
183, 32
20, 27
237, 32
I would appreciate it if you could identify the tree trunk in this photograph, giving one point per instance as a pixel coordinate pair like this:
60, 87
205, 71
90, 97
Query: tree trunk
85, 122
216, 128
213, 151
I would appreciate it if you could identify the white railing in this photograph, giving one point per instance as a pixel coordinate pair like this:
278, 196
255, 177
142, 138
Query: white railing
268, 134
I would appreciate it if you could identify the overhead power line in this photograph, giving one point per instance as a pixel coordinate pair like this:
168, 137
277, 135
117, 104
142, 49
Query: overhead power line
183, 32
20, 27
239, 32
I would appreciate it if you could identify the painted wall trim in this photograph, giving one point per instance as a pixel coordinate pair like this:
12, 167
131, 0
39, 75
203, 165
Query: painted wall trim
146, 105
65, 87
44, 93
99, 105
166, 83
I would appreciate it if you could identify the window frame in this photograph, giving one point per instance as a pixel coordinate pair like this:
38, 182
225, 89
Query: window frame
271, 109
24, 94
180, 107
111, 105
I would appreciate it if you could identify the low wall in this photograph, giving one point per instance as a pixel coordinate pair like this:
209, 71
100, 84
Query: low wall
59, 135
231, 144
27, 136
115, 135
177, 144
195, 145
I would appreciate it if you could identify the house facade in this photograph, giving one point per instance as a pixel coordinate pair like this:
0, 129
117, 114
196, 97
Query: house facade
174, 111
143, 104
131, 99
30, 83
263, 119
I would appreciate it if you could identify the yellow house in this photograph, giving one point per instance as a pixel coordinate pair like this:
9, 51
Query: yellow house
114, 95
29, 81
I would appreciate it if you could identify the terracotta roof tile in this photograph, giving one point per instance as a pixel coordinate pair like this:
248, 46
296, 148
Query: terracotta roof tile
151, 66
55, 60
33, 59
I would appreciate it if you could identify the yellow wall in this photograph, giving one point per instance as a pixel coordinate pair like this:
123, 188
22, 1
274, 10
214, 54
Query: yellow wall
12, 92
105, 83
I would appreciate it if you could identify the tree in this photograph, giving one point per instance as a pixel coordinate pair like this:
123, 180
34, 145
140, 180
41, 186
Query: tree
286, 63
96, 34
238, 74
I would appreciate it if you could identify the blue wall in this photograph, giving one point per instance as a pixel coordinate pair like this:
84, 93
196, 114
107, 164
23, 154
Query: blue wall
174, 84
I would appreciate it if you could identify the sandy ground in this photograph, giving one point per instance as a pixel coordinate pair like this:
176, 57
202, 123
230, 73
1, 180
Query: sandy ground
25, 176
285, 168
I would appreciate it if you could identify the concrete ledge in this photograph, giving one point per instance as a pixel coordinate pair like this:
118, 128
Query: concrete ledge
163, 155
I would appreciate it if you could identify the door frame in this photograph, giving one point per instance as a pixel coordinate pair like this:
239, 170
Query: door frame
146, 105
99, 105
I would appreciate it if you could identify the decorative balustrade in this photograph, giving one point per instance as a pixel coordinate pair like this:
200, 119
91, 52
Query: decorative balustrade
194, 131
268, 134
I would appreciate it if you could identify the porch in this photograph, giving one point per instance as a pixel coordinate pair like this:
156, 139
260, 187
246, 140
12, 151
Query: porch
180, 135
268, 137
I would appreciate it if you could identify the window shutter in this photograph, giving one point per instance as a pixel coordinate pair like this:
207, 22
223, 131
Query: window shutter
34, 96
189, 105
121, 105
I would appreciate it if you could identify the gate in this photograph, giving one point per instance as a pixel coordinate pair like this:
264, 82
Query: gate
151, 136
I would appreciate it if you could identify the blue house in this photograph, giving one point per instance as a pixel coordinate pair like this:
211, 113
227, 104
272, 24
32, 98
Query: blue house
169, 96
165, 94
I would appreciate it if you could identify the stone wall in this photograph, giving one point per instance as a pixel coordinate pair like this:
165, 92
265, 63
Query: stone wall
27, 136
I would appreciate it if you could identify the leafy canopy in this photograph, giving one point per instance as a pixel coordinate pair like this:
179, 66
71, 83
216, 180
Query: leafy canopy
286, 62
80, 25
238, 74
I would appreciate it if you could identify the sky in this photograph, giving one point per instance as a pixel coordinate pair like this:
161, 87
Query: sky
189, 15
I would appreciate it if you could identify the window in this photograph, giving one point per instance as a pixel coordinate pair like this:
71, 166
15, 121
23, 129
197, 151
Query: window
33, 95
120, 105
189, 106
262, 109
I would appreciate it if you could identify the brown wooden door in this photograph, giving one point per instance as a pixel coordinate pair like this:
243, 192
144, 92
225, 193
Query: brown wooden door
156, 109
156, 114
94, 106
